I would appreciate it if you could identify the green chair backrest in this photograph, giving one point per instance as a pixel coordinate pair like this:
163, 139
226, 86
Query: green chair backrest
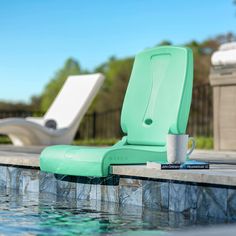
158, 97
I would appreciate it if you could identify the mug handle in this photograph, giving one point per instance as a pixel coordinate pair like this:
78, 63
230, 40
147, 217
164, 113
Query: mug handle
193, 146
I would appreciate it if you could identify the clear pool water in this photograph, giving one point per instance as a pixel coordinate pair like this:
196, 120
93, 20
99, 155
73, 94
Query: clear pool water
45, 215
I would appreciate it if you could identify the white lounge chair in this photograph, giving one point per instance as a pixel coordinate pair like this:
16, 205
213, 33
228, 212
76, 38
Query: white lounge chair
60, 123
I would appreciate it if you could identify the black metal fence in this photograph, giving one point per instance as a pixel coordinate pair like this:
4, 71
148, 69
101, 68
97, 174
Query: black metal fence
107, 124
101, 125
17, 113
201, 113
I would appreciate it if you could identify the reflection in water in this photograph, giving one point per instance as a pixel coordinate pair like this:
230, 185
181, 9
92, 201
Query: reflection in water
33, 215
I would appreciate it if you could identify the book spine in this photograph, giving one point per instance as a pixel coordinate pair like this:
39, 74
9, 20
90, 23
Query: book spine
196, 166
170, 167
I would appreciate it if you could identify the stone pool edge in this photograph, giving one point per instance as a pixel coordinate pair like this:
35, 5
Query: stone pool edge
197, 199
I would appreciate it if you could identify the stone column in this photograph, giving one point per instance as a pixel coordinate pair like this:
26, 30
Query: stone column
223, 80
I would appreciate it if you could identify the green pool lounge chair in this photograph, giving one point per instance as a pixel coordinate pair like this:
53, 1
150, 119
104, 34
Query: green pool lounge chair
157, 102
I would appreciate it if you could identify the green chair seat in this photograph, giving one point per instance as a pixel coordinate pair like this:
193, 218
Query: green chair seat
157, 102
68, 160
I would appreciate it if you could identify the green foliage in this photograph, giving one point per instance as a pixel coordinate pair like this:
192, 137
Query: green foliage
36, 103
201, 142
165, 43
4, 140
117, 73
10, 106
71, 67
204, 142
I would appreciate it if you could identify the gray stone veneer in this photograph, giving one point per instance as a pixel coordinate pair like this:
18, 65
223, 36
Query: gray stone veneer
198, 200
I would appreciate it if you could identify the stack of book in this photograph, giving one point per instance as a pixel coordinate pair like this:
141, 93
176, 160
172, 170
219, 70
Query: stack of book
191, 164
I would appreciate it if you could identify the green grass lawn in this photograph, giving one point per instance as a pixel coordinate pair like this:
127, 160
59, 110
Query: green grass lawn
204, 143
96, 142
4, 140
201, 142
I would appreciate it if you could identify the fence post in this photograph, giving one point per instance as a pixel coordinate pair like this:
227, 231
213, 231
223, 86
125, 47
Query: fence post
94, 124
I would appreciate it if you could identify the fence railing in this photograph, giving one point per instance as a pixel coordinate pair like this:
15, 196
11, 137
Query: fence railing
17, 113
101, 125
201, 113
107, 124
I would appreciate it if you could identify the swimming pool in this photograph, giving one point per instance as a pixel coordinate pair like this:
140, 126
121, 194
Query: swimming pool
46, 214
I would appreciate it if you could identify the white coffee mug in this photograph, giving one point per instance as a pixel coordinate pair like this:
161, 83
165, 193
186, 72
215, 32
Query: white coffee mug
177, 150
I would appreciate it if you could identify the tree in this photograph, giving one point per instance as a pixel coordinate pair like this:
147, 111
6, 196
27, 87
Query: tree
35, 102
117, 73
14, 106
165, 43
202, 52
71, 67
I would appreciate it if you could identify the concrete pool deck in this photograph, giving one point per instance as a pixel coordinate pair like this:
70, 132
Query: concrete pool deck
222, 166
200, 193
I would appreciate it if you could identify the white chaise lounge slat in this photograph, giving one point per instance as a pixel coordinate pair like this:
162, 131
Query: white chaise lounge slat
67, 110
